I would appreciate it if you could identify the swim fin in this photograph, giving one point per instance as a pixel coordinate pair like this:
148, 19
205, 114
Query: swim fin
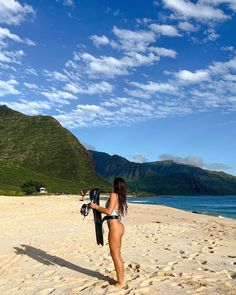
94, 197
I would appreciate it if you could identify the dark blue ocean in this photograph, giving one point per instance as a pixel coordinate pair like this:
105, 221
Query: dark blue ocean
222, 206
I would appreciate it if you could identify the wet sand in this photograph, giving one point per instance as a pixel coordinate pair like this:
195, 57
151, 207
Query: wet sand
46, 248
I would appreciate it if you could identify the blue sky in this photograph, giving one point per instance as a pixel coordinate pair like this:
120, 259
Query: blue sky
148, 80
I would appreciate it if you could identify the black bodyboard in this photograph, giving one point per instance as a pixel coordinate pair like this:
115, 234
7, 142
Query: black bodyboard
94, 197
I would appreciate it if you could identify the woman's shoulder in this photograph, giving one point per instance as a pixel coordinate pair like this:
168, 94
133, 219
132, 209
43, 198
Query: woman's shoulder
114, 195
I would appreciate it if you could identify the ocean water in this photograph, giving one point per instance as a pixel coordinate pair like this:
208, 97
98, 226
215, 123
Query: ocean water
222, 206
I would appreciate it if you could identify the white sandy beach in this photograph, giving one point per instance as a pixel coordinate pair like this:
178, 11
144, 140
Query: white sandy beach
46, 248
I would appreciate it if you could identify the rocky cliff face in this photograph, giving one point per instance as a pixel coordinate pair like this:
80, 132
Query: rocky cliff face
163, 177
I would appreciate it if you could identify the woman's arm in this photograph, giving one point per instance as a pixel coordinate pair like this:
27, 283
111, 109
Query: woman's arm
110, 208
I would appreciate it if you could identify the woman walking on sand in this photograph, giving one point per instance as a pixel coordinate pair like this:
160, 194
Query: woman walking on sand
116, 207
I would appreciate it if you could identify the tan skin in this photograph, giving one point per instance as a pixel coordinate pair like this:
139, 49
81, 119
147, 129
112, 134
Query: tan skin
116, 231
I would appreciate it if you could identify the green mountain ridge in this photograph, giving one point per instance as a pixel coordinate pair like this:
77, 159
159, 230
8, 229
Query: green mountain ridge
164, 177
39, 148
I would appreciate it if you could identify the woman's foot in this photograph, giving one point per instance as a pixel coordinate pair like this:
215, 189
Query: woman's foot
120, 285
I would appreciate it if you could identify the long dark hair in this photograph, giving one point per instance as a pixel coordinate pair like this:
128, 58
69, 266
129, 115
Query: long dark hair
119, 187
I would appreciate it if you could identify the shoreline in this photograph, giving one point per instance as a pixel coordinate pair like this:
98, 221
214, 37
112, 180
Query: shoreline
218, 206
106, 196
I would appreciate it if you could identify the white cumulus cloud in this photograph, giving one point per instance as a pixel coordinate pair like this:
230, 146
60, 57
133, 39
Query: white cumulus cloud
70, 3
187, 26
95, 88
99, 40
84, 116
211, 35
55, 75
139, 158
163, 51
105, 65
152, 87
8, 87
134, 40
6, 34
165, 30
58, 96
11, 56
192, 77
31, 85
230, 3
194, 161
12, 12
199, 10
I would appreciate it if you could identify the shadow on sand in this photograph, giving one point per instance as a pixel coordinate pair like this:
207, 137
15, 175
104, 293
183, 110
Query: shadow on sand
47, 259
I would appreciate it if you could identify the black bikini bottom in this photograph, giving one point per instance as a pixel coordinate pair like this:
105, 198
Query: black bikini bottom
110, 217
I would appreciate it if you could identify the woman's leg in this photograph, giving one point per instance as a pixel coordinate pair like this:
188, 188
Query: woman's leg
116, 231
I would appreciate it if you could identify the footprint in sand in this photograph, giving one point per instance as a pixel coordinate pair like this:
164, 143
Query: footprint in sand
230, 274
181, 252
232, 256
203, 262
178, 285
210, 248
234, 263
171, 263
206, 250
146, 283
168, 268
212, 242
193, 256
167, 249
134, 266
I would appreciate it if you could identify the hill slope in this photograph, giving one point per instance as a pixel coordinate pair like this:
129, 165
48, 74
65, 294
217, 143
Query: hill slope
41, 145
164, 177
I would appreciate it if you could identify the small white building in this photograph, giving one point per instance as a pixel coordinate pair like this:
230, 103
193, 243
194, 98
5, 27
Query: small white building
43, 190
